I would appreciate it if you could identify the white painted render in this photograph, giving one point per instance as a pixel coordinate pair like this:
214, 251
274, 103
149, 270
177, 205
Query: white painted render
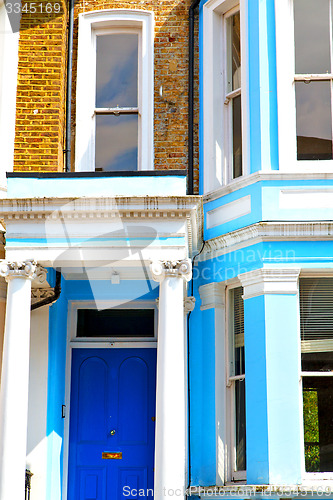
37, 410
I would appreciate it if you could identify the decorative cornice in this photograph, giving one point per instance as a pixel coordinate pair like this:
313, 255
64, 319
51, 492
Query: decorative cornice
267, 231
269, 281
171, 269
145, 207
10, 270
212, 295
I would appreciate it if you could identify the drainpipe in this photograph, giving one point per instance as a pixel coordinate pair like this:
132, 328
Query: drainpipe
68, 147
53, 298
193, 6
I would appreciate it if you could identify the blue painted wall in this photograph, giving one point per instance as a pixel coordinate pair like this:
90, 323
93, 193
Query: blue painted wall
56, 394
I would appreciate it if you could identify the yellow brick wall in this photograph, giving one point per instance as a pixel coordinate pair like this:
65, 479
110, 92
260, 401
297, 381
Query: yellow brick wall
40, 110
39, 140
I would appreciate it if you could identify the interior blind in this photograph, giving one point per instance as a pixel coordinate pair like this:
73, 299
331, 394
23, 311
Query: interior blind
316, 311
238, 316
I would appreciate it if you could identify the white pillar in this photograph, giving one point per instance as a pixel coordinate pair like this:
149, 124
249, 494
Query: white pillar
15, 379
171, 393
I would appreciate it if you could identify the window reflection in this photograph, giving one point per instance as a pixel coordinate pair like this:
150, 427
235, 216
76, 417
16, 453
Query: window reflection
237, 136
116, 142
117, 70
312, 36
236, 52
313, 120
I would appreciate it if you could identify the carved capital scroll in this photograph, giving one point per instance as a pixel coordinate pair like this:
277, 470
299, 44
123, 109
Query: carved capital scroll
171, 269
26, 269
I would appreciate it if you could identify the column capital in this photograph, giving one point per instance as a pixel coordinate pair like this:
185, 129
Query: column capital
270, 281
18, 269
171, 269
212, 295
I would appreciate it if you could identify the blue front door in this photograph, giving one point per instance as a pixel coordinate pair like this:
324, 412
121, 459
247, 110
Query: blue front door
112, 431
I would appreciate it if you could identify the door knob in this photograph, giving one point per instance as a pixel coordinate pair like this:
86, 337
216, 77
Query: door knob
112, 433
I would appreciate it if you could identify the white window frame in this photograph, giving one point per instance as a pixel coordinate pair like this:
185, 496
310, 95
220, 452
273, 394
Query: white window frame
285, 66
9, 42
232, 474
310, 477
217, 133
102, 22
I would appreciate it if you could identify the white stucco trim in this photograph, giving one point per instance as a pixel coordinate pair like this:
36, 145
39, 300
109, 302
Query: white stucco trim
266, 231
85, 94
269, 281
215, 137
228, 212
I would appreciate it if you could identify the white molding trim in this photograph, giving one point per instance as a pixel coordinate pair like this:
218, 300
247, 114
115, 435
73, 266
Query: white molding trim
215, 157
228, 212
212, 295
266, 231
274, 175
269, 281
85, 108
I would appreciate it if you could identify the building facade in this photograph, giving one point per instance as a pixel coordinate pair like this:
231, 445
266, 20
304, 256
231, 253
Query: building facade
166, 177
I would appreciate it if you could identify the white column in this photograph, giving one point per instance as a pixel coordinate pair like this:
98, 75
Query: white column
15, 379
171, 393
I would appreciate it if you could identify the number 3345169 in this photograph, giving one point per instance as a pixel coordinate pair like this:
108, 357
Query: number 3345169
33, 8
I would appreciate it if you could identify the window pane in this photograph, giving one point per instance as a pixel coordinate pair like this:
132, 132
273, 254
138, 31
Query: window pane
313, 121
318, 423
236, 51
237, 136
116, 142
312, 36
117, 70
115, 323
240, 425
317, 361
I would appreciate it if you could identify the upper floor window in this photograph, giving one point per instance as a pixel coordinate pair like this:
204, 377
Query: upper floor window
223, 102
117, 108
305, 77
114, 126
316, 311
233, 115
313, 78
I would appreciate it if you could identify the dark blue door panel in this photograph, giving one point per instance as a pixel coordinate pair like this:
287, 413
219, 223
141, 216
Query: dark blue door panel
112, 411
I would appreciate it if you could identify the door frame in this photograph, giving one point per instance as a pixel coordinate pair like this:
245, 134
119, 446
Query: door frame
99, 343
